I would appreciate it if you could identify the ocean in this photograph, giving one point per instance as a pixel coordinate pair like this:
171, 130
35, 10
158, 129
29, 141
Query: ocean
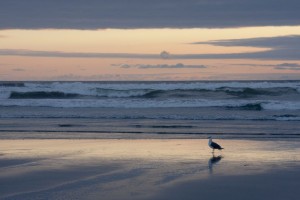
187, 109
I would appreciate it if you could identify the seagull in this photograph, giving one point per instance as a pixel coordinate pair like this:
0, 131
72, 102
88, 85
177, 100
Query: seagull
214, 145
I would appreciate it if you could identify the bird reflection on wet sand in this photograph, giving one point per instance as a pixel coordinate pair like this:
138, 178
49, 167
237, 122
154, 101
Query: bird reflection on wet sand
212, 161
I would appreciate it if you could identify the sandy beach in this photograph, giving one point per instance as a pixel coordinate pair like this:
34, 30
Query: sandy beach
149, 169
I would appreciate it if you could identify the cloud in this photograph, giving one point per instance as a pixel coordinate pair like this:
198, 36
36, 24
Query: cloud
281, 48
287, 66
263, 42
160, 66
176, 66
95, 14
165, 55
113, 77
25, 52
18, 70
255, 76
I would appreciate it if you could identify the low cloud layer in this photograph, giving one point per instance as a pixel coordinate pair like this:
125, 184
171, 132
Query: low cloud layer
27, 52
281, 48
97, 14
282, 66
18, 69
287, 66
165, 55
119, 77
281, 42
160, 66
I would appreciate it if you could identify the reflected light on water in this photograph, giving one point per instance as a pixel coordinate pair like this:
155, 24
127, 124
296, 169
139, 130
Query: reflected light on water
124, 166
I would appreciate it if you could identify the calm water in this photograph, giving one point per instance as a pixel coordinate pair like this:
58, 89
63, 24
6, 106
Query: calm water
268, 109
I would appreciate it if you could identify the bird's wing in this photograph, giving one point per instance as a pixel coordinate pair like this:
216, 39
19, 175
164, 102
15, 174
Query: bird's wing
215, 145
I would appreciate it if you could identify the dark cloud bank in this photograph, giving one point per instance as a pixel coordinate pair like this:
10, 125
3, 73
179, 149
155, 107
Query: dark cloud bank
94, 14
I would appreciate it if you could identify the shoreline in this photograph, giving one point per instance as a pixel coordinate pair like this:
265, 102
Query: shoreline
89, 135
144, 168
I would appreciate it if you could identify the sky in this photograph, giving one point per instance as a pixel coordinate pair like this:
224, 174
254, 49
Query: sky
144, 40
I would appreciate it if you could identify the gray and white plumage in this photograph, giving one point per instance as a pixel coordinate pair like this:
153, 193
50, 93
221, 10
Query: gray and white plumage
214, 145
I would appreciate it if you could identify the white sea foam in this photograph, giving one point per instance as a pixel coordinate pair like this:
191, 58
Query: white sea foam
160, 94
281, 105
135, 89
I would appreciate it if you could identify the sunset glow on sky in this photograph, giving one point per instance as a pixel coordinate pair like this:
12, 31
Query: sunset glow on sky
162, 53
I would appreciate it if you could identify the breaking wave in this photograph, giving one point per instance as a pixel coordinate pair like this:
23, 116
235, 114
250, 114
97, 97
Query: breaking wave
150, 93
259, 95
41, 95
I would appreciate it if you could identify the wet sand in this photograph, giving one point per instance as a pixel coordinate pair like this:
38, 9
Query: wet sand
149, 169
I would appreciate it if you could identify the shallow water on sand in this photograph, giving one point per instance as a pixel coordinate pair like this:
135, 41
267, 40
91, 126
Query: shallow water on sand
131, 169
91, 123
